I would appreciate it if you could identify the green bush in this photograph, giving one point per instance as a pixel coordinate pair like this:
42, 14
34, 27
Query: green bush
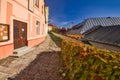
89, 63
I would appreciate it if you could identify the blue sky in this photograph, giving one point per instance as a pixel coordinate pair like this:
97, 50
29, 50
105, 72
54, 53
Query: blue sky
64, 12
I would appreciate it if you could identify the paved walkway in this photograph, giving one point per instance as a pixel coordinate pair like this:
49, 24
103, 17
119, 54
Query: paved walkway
21, 63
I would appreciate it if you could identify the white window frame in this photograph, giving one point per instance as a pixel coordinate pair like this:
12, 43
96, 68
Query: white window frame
36, 3
37, 27
31, 5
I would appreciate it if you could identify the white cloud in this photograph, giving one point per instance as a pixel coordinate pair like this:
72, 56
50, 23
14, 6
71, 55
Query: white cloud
64, 23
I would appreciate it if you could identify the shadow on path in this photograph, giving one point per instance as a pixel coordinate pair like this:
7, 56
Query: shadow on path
46, 66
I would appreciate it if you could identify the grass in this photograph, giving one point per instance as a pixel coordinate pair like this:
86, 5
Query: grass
56, 39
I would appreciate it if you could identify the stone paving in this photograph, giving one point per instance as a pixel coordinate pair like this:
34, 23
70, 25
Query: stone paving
21, 63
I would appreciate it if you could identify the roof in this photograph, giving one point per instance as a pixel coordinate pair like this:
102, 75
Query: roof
102, 21
92, 29
73, 31
89, 23
108, 35
52, 25
76, 29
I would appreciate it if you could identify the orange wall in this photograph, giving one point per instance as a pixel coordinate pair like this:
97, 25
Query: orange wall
0, 7
18, 10
9, 12
35, 42
6, 50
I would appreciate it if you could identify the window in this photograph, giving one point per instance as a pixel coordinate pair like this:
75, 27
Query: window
4, 32
16, 30
31, 5
37, 3
43, 29
37, 27
43, 9
0, 6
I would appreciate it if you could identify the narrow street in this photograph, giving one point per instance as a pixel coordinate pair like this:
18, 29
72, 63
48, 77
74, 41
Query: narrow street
52, 40
46, 66
44, 63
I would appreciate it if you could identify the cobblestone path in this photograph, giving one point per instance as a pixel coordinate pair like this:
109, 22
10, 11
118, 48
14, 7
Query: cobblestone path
44, 63
46, 66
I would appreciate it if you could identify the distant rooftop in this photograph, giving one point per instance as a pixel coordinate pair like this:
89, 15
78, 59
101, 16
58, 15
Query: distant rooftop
102, 21
99, 21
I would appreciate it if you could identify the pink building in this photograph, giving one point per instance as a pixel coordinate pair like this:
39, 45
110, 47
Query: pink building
22, 23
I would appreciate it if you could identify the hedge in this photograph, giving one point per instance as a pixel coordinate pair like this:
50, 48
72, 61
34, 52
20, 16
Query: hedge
76, 36
84, 62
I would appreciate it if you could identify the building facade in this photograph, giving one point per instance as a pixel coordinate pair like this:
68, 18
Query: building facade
22, 23
47, 17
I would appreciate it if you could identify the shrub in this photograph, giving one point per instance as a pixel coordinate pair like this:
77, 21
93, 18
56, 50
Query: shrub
84, 62
76, 36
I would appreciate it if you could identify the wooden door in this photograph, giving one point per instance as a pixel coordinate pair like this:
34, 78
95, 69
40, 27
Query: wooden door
20, 34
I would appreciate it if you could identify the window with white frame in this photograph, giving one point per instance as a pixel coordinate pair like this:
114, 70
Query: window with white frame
42, 9
37, 3
0, 7
37, 27
43, 29
31, 5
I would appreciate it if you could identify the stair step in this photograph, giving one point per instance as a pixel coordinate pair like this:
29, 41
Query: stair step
22, 51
